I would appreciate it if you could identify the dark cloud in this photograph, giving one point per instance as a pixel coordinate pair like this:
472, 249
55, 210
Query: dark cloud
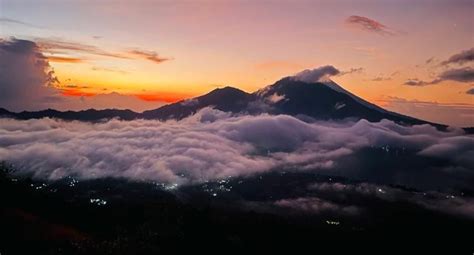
318, 74
370, 25
465, 74
336, 193
352, 70
417, 82
149, 55
470, 91
460, 58
25, 73
213, 145
430, 60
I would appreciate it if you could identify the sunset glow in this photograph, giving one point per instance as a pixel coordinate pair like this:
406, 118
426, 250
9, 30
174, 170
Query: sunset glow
167, 51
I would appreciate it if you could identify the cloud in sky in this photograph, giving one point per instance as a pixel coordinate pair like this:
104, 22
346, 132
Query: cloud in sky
381, 78
370, 25
470, 91
58, 46
352, 70
316, 75
149, 55
64, 59
460, 58
323, 73
14, 21
25, 73
465, 74
212, 145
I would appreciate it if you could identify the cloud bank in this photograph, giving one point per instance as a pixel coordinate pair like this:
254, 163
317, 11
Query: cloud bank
336, 193
212, 145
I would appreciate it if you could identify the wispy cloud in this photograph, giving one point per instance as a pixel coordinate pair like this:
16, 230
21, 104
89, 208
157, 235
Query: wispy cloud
107, 69
14, 21
460, 58
381, 78
52, 46
463, 75
352, 70
64, 59
370, 25
58, 46
149, 55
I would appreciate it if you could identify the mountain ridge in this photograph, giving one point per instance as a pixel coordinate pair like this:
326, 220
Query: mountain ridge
310, 101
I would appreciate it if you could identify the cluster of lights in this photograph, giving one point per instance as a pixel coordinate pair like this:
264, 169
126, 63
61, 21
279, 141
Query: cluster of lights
167, 186
98, 201
222, 186
73, 182
40, 186
330, 222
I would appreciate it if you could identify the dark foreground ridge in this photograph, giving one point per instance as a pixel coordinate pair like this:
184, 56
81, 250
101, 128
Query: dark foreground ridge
113, 216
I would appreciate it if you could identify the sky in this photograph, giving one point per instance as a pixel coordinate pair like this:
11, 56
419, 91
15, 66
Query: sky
413, 57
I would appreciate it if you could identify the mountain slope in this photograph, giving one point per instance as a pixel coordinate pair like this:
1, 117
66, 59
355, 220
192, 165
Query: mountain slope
326, 101
226, 99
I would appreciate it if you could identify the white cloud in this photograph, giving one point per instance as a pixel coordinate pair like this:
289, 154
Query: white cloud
319, 74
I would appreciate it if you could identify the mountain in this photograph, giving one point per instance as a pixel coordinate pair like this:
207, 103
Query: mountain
226, 99
319, 101
86, 115
322, 101
326, 101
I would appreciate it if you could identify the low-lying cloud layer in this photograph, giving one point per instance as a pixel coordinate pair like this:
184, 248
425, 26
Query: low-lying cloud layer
351, 199
213, 145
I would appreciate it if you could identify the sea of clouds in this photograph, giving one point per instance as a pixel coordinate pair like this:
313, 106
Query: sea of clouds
212, 145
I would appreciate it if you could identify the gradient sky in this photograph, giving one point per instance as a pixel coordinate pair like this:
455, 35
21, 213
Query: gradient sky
164, 51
